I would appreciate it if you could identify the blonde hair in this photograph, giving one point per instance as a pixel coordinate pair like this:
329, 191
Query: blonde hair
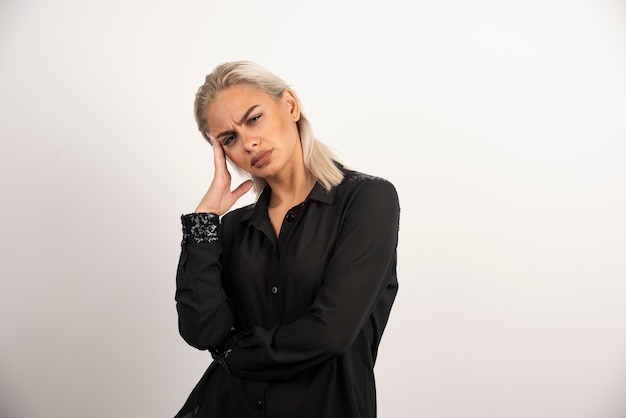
319, 160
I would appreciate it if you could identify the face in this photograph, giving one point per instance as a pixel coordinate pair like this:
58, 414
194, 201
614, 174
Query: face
257, 132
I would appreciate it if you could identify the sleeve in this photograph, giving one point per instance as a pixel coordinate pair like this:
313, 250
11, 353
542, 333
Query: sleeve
358, 275
205, 316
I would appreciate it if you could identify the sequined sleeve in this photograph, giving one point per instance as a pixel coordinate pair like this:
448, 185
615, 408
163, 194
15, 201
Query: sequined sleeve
200, 227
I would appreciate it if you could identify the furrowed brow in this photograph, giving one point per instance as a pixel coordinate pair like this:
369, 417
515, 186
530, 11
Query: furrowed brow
241, 121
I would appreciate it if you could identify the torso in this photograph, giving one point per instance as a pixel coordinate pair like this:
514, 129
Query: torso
314, 251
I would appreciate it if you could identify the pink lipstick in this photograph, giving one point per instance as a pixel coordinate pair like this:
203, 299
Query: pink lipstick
261, 158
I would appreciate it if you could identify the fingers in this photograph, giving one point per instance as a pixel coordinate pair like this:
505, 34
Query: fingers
242, 189
218, 153
219, 198
222, 175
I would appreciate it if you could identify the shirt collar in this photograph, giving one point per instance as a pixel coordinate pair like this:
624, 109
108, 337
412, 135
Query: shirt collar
318, 193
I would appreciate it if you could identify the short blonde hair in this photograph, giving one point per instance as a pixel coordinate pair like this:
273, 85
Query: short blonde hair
319, 160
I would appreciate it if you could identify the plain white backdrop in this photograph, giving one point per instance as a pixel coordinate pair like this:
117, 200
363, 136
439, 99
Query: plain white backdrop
502, 125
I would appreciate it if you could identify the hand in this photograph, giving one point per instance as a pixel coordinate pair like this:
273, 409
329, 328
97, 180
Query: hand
218, 199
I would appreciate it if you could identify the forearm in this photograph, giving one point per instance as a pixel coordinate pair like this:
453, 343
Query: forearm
204, 313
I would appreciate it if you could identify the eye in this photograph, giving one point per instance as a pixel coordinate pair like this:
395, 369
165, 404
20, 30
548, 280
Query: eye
254, 119
229, 139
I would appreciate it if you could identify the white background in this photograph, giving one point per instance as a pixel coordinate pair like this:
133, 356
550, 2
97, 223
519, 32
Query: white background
502, 124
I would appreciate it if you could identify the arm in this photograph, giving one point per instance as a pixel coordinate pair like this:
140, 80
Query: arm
359, 274
204, 313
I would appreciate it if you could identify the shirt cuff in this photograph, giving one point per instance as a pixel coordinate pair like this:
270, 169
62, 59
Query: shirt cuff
200, 227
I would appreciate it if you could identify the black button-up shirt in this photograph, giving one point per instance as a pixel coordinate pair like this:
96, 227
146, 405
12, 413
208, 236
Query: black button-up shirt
312, 302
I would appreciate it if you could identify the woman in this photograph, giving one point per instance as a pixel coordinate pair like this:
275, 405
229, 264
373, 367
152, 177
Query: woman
290, 295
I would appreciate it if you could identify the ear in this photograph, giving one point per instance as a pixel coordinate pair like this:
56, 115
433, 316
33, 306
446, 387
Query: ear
289, 98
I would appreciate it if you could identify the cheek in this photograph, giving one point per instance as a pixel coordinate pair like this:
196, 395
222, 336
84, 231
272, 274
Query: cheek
229, 157
234, 156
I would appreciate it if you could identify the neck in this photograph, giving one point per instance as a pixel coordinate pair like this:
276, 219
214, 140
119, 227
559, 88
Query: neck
291, 189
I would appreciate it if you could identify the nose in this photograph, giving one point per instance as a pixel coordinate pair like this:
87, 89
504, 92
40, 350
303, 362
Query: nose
250, 142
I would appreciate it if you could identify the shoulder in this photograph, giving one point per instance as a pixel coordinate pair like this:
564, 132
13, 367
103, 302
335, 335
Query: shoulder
366, 192
358, 182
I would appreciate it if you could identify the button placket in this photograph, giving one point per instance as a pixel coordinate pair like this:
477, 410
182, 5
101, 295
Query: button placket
274, 311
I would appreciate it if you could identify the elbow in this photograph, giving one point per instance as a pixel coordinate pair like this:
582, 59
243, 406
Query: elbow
204, 332
201, 339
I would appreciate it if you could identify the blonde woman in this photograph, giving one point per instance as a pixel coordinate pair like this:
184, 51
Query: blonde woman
291, 294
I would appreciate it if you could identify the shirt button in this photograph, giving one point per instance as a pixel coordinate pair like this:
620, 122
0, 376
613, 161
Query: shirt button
290, 217
274, 290
259, 404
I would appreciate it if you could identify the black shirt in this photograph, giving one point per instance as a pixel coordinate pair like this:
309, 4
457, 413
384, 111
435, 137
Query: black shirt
312, 303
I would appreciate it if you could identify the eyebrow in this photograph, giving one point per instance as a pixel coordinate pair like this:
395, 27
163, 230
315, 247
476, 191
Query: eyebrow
241, 121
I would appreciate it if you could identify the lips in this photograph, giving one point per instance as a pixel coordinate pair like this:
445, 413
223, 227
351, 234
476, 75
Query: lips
261, 158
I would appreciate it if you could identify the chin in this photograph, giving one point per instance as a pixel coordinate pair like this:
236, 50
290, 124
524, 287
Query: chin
268, 170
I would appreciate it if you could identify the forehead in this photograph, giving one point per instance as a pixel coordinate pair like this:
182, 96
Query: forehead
234, 101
